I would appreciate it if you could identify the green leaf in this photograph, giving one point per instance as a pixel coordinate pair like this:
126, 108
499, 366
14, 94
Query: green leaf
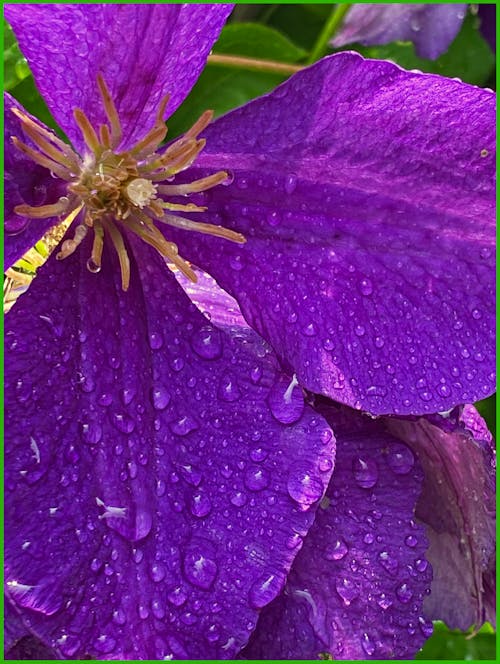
258, 41
453, 644
15, 66
220, 89
487, 408
299, 23
469, 57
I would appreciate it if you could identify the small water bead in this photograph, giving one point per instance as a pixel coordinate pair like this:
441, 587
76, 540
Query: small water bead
273, 218
256, 479
200, 505
123, 422
200, 569
184, 425
228, 389
119, 617
207, 343
157, 572
384, 602
368, 645
309, 330
400, 459
258, 454
160, 397
426, 627
265, 589
155, 340
68, 644
368, 538
304, 487
238, 499
365, 472
177, 596
359, 330
91, 433
421, 564
347, 590
411, 541
338, 551
388, 562
366, 287
290, 183
105, 643
404, 593
294, 541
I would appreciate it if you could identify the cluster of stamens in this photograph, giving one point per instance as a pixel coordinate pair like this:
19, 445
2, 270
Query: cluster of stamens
116, 190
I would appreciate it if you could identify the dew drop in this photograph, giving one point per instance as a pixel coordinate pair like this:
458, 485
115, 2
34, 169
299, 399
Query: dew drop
265, 589
304, 487
365, 472
400, 459
91, 433
290, 183
256, 479
184, 425
388, 562
155, 340
366, 287
160, 397
403, 593
286, 401
228, 389
177, 596
368, 645
411, 541
157, 572
337, 551
199, 568
346, 590
206, 342
200, 505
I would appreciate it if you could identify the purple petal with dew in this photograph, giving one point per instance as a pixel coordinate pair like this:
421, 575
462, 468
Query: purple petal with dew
458, 508
159, 478
370, 226
431, 28
356, 588
25, 182
143, 52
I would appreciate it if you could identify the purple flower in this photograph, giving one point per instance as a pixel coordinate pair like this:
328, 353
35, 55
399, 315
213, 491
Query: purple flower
163, 468
431, 28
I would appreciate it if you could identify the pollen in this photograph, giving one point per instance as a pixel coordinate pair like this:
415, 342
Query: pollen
112, 192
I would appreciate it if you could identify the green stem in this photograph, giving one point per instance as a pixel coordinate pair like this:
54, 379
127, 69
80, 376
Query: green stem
330, 28
253, 64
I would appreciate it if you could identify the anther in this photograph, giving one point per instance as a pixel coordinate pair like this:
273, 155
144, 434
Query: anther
69, 246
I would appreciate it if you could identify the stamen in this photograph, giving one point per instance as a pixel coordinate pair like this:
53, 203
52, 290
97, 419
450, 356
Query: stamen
94, 262
105, 137
121, 250
156, 135
88, 131
188, 207
140, 191
111, 112
209, 229
69, 246
28, 122
202, 123
193, 187
42, 160
50, 150
43, 211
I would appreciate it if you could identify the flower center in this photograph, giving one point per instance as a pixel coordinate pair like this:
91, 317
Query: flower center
111, 190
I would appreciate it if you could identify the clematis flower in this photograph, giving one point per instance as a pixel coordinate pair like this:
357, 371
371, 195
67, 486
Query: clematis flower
430, 27
162, 468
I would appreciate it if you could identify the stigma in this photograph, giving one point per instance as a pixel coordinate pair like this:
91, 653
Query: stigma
112, 192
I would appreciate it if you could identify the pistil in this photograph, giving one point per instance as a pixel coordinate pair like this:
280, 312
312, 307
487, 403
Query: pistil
114, 190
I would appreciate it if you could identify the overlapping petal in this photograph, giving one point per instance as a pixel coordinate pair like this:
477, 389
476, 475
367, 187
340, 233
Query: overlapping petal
458, 508
366, 194
25, 182
431, 27
159, 478
143, 52
357, 587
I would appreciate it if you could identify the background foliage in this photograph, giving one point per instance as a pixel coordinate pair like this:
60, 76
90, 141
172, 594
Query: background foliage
289, 34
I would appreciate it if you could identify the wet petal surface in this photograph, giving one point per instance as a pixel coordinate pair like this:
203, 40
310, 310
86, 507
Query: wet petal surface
357, 586
25, 182
143, 52
458, 508
154, 500
369, 218
432, 28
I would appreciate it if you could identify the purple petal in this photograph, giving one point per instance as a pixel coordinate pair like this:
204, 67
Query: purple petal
370, 226
25, 182
357, 586
458, 507
143, 52
431, 28
155, 500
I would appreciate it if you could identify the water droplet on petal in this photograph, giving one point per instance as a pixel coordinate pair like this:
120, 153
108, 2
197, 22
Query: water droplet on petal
256, 479
346, 590
200, 505
400, 459
177, 596
304, 487
199, 568
265, 589
404, 594
365, 472
157, 572
411, 541
207, 343
337, 551
368, 645
388, 562
286, 401
290, 183
366, 287
160, 397
184, 425
228, 389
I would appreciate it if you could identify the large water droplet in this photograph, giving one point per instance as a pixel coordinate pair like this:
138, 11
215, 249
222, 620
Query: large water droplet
286, 401
400, 459
265, 589
304, 487
206, 342
404, 593
365, 472
199, 568
184, 425
337, 551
